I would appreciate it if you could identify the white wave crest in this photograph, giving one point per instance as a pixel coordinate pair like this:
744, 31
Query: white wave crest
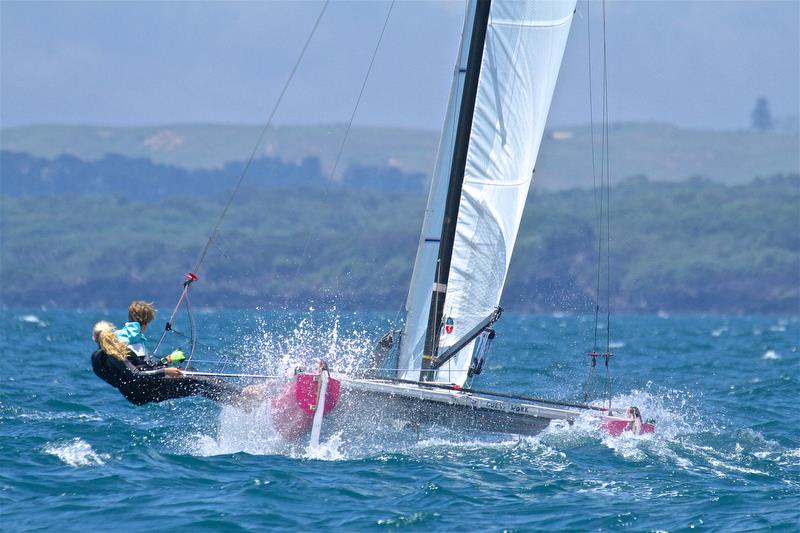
779, 327
76, 452
719, 331
33, 319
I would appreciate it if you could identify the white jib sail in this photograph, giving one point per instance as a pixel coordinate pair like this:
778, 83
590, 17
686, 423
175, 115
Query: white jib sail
522, 54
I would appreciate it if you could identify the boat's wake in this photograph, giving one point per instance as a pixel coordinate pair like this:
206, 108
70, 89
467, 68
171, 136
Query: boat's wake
671, 412
253, 432
684, 440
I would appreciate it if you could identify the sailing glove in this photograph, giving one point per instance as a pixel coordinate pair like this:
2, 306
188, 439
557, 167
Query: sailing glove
175, 357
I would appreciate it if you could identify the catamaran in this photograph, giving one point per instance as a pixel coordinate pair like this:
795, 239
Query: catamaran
503, 83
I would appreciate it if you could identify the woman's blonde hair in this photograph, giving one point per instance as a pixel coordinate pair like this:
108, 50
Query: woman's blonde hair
100, 326
103, 333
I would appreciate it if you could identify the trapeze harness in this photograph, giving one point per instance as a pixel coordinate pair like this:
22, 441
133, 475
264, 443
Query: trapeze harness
142, 380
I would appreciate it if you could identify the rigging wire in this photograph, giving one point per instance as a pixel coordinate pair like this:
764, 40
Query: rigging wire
261, 136
213, 236
332, 175
192, 328
345, 138
361, 92
204, 346
597, 206
602, 211
587, 391
244, 172
608, 208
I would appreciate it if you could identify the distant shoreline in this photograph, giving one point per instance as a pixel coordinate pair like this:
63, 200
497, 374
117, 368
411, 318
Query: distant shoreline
660, 151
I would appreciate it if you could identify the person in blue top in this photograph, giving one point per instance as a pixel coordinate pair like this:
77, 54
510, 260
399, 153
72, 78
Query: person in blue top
123, 361
142, 380
140, 314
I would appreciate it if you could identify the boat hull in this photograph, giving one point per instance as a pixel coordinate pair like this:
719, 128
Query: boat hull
294, 407
617, 426
414, 405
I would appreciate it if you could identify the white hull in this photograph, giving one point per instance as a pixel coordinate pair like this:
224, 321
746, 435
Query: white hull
418, 404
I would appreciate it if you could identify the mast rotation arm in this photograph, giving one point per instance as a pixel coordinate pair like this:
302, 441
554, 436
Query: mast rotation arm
451, 352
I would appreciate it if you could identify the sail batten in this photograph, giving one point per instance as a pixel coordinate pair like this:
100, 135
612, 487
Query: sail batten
522, 48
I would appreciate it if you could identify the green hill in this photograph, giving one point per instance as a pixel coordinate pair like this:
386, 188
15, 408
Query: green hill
658, 151
686, 246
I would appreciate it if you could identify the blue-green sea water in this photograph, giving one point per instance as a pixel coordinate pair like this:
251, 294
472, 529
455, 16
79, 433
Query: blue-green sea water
75, 456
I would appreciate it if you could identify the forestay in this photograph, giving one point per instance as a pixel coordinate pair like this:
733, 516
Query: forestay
522, 53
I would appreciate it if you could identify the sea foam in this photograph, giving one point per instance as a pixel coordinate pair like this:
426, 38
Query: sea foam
32, 319
76, 452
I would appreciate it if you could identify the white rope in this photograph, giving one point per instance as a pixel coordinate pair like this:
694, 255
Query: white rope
192, 373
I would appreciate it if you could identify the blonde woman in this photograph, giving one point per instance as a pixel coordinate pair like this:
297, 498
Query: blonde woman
100, 326
143, 380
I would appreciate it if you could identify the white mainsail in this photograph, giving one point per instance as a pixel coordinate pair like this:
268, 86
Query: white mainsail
522, 51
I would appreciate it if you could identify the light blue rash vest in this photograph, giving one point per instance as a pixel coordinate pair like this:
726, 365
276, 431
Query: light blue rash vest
131, 334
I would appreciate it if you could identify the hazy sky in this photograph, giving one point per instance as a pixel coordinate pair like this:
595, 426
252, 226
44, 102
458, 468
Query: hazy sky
696, 64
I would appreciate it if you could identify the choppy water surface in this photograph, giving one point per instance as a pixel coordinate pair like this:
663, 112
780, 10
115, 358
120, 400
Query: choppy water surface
726, 456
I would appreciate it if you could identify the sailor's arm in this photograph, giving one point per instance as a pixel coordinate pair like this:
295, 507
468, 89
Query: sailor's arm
166, 371
145, 370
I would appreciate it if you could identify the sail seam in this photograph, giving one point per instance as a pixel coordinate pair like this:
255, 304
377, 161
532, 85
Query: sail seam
498, 184
533, 24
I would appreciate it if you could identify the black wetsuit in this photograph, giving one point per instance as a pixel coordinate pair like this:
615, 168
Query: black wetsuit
142, 381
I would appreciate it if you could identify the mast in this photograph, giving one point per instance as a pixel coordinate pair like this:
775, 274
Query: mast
510, 54
453, 199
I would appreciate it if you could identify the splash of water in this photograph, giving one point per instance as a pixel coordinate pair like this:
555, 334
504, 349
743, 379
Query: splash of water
327, 450
681, 437
312, 338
